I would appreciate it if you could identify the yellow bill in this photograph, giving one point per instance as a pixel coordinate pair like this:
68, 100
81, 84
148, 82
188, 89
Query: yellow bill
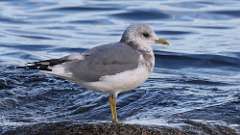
162, 41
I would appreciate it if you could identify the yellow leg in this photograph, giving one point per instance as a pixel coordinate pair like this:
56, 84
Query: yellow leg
112, 102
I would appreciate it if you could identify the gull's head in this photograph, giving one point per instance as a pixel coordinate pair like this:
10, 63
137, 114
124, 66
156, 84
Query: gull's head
141, 35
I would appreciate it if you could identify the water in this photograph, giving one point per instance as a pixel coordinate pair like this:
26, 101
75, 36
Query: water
197, 77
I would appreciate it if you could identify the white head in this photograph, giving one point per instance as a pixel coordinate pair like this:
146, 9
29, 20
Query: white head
141, 36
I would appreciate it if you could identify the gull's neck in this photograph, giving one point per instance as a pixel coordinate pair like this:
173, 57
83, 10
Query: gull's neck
140, 47
146, 53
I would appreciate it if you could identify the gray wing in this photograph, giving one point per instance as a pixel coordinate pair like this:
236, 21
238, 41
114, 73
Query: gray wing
99, 61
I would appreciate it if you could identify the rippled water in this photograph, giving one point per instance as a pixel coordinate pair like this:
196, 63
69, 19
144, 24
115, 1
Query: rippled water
197, 77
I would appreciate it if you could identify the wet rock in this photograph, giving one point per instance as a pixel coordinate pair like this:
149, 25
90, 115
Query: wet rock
69, 128
198, 128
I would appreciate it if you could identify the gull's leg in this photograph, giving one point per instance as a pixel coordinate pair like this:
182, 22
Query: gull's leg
112, 102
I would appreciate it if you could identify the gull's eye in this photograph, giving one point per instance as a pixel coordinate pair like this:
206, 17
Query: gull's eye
145, 34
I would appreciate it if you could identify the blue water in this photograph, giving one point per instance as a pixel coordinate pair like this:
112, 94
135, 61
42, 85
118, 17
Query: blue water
197, 77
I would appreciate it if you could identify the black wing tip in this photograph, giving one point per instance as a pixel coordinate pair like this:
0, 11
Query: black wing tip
44, 65
35, 65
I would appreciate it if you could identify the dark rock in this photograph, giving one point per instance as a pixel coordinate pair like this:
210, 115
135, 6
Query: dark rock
197, 128
69, 128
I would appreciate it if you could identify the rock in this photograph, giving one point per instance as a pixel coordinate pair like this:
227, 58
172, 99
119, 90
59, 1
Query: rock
70, 128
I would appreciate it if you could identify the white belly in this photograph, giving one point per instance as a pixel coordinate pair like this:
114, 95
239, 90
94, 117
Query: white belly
123, 81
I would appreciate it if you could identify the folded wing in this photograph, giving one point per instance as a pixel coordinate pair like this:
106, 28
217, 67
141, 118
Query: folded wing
91, 65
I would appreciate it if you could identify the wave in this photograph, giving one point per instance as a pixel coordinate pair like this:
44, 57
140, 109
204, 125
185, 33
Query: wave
183, 60
144, 15
82, 9
164, 59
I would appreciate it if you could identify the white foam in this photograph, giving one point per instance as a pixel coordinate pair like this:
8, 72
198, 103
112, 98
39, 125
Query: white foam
5, 122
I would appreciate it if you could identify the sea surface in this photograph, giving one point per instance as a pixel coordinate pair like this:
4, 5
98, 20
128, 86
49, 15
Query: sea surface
197, 77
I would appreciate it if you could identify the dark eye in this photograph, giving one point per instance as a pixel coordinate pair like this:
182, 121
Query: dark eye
145, 34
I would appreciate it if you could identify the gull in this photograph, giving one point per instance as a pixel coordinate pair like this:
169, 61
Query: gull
110, 68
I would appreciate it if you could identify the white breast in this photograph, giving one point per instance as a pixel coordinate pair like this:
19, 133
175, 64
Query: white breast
123, 81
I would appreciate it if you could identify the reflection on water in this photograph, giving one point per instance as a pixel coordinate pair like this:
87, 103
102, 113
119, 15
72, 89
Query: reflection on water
197, 77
